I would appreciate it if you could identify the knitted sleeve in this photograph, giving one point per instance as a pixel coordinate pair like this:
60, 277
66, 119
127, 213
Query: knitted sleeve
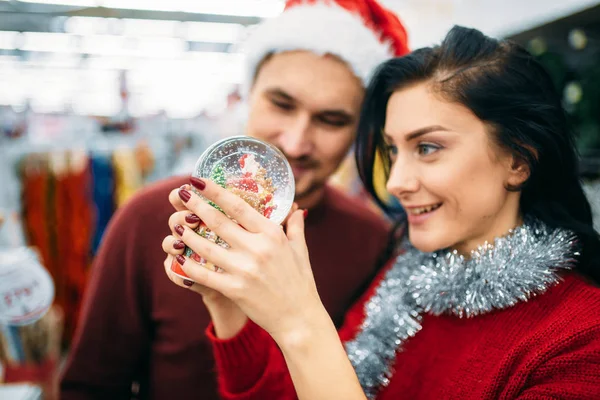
250, 366
572, 373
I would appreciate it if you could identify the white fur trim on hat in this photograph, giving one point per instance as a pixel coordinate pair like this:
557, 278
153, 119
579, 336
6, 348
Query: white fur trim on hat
322, 29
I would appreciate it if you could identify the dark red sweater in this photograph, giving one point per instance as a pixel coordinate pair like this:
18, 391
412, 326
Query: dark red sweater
546, 348
139, 326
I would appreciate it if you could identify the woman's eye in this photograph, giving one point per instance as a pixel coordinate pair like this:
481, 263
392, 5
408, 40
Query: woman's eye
391, 149
426, 149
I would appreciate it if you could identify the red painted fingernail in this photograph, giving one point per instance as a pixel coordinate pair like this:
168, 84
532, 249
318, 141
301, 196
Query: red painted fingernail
179, 229
197, 183
179, 245
184, 195
305, 214
180, 259
192, 219
187, 282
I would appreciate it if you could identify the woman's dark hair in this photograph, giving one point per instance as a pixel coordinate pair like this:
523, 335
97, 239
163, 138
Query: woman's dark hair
507, 89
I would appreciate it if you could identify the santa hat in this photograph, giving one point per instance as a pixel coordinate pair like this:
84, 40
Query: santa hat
360, 32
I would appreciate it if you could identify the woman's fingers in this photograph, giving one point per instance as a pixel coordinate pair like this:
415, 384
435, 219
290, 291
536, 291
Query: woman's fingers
295, 232
175, 200
293, 210
173, 246
184, 218
233, 205
169, 260
184, 283
215, 220
209, 250
219, 281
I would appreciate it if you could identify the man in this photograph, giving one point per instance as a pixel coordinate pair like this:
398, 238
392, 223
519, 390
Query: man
307, 70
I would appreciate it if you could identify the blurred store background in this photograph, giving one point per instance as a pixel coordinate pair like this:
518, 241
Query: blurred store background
98, 98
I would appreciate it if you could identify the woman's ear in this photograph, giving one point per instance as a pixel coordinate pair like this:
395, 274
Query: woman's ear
518, 173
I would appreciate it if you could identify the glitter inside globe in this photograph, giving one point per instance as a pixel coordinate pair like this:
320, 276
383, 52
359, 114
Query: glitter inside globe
252, 169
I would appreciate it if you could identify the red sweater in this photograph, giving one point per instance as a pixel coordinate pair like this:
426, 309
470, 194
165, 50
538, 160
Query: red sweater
548, 347
137, 326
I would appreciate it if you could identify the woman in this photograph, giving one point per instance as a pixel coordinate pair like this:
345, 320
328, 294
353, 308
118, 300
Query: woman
493, 293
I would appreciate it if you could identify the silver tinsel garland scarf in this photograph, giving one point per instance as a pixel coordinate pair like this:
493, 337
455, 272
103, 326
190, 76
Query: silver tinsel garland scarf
514, 268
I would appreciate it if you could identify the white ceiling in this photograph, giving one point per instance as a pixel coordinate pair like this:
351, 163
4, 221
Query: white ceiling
164, 75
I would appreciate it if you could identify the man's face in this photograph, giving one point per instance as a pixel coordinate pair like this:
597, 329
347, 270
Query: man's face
308, 106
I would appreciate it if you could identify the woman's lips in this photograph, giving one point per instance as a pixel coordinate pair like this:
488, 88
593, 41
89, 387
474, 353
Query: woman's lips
419, 215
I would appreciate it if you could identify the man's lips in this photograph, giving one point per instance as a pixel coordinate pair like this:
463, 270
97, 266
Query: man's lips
296, 168
300, 169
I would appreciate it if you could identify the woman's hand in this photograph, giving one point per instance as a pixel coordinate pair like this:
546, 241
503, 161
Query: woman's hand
266, 271
174, 248
227, 317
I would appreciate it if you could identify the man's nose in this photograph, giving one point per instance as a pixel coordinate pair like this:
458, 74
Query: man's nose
296, 139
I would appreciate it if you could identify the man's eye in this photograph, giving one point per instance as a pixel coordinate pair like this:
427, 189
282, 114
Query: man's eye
334, 122
282, 105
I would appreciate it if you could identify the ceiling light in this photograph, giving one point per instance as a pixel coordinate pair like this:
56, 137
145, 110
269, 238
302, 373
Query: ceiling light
8, 40
213, 32
76, 3
50, 42
245, 8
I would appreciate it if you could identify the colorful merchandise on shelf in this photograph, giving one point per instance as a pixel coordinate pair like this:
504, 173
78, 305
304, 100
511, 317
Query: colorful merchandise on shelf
68, 198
